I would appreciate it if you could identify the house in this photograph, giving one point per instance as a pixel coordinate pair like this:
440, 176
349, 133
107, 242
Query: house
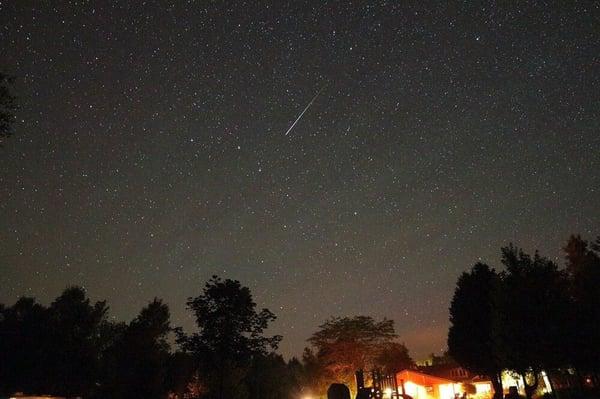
424, 386
420, 385
20, 395
476, 386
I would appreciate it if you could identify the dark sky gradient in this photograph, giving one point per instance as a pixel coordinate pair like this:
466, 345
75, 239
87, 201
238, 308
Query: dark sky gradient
150, 151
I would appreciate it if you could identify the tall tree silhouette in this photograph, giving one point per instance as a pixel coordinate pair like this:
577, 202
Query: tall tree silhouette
8, 106
521, 319
75, 335
52, 350
23, 343
583, 267
470, 337
532, 312
138, 360
230, 334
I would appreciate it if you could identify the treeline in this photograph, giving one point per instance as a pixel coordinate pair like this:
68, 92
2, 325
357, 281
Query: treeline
341, 346
8, 106
533, 316
72, 348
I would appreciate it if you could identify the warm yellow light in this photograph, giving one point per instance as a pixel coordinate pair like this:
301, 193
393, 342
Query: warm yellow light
447, 390
483, 388
388, 392
411, 388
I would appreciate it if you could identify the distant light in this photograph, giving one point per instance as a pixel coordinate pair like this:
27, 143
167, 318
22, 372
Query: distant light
388, 392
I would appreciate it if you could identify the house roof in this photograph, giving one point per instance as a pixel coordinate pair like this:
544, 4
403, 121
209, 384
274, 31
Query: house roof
449, 371
421, 378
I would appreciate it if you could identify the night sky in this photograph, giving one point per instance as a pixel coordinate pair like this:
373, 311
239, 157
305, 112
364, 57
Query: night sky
150, 151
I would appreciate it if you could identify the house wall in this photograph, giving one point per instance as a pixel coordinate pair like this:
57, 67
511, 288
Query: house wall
36, 397
418, 391
483, 389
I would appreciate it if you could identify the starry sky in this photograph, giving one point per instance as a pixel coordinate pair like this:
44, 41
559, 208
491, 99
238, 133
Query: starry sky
150, 151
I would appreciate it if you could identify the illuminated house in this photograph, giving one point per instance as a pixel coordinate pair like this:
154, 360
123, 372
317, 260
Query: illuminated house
424, 386
476, 386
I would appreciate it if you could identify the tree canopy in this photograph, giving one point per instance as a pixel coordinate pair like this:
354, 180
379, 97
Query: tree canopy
533, 307
136, 364
583, 272
52, 349
470, 337
344, 345
72, 348
230, 335
393, 357
8, 106
531, 316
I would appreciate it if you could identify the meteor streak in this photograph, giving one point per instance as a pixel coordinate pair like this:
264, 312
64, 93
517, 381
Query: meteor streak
302, 113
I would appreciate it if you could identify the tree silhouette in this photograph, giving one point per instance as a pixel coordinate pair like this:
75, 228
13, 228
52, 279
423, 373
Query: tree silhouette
54, 349
230, 334
583, 268
137, 362
532, 312
23, 343
182, 376
393, 357
530, 317
270, 377
470, 337
8, 106
345, 345
73, 352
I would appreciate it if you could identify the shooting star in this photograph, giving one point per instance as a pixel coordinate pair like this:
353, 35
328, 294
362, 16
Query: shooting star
302, 113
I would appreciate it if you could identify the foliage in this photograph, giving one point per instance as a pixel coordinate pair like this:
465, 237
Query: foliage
196, 387
74, 333
137, 362
345, 345
183, 377
532, 311
270, 377
394, 357
23, 344
71, 349
583, 269
315, 377
229, 326
230, 336
470, 337
531, 317
7, 107
52, 349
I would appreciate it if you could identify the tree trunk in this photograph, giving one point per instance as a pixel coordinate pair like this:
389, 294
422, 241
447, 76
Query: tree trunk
579, 379
220, 383
554, 393
496, 383
530, 389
